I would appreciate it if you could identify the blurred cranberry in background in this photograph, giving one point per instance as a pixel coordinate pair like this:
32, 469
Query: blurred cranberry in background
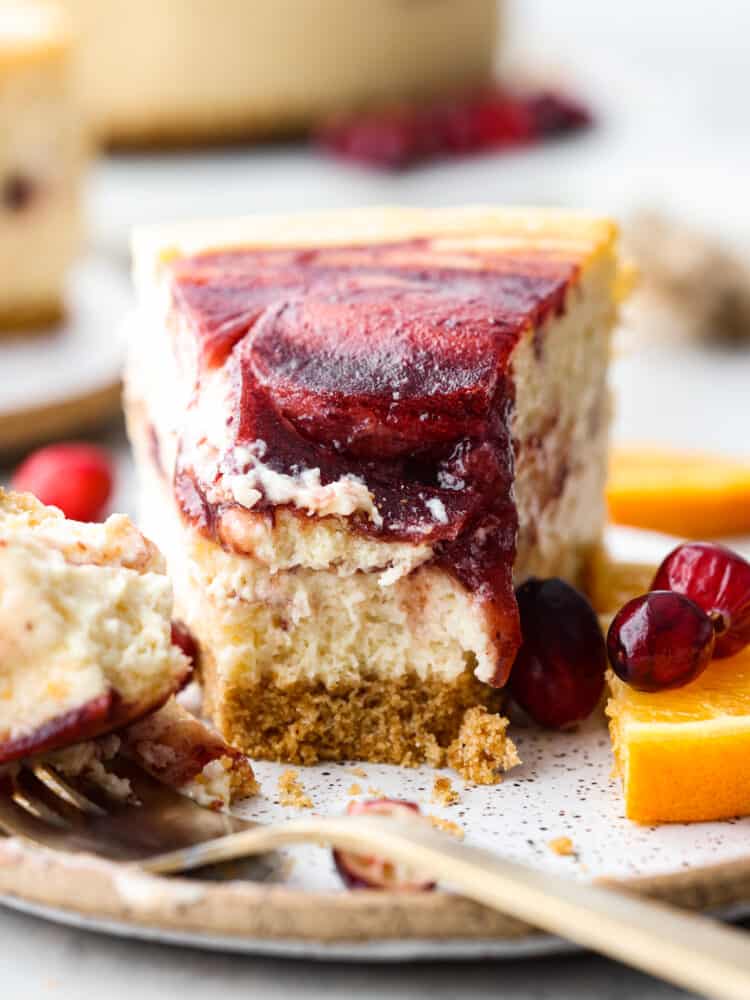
76, 477
404, 135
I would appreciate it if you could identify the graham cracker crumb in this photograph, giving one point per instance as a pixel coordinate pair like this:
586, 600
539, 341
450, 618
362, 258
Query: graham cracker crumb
482, 751
377, 792
355, 789
447, 826
434, 754
291, 792
444, 792
562, 846
358, 772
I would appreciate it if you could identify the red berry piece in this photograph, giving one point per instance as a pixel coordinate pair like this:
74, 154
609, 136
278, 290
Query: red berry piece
77, 478
555, 114
368, 871
183, 637
558, 675
402, 136
718, 580
660, 641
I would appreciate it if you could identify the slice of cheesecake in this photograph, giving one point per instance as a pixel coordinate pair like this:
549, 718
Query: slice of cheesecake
356, 433
85, 628
221, 69
42, 156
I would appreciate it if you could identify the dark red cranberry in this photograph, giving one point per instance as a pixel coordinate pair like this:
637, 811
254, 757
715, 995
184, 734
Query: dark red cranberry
17, 192
718, 580
369, 871
659, 641
558, 675
77, 478
554, 114
183, 637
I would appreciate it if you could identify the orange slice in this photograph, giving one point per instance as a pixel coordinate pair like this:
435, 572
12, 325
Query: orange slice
681, 493
684, 755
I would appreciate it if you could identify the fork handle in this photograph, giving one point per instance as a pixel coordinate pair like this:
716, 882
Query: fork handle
686, 949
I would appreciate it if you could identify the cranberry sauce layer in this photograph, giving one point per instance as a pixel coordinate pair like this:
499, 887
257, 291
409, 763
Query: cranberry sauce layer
390, 364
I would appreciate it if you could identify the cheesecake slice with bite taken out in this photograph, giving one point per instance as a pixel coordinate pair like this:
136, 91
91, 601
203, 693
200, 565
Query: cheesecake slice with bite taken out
357, 432
85, 628
42, 157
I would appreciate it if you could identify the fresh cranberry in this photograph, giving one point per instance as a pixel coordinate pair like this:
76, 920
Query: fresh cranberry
718, 580
368, 871
558, 675
659, 641
183, 637
77, 478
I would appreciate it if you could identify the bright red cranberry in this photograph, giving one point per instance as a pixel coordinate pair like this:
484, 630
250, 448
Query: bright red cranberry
368, 871
77, 478
183, 637
558, 675
718, 580
659, 641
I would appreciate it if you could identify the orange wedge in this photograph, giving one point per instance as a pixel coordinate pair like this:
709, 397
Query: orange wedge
681, 493
684, 755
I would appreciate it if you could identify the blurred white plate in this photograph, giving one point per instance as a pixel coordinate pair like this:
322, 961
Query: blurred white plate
64, 379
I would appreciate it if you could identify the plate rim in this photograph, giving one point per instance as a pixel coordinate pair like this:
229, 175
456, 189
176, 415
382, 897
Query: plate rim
108, 897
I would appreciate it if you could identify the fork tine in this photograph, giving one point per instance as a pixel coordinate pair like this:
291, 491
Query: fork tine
52, 780
36, 807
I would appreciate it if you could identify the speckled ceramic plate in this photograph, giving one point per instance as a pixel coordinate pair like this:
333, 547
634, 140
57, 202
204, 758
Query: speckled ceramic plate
295, 904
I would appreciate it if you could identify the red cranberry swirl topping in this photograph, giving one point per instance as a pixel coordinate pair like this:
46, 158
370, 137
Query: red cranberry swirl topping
391, 364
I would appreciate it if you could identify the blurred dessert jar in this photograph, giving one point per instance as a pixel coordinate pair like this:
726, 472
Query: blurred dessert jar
166, 71
42, 157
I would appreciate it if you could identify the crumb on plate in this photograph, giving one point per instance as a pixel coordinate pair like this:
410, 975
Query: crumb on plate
444, 793
482, 751
562, 846
447, 826
291, 792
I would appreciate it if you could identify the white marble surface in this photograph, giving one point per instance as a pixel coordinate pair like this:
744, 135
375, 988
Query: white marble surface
672, 79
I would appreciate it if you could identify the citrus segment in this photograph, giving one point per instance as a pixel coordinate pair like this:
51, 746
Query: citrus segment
684, 755
682, 493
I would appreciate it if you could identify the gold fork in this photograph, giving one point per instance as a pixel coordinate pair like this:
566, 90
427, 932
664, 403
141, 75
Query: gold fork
167, 833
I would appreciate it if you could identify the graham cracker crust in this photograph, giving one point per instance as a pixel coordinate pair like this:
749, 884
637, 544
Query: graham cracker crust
404, 720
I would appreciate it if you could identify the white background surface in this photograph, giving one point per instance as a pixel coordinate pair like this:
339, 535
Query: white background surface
671, 78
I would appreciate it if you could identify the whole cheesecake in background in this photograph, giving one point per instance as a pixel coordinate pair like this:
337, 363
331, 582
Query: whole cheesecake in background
42, 157
160, 71
356, 433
